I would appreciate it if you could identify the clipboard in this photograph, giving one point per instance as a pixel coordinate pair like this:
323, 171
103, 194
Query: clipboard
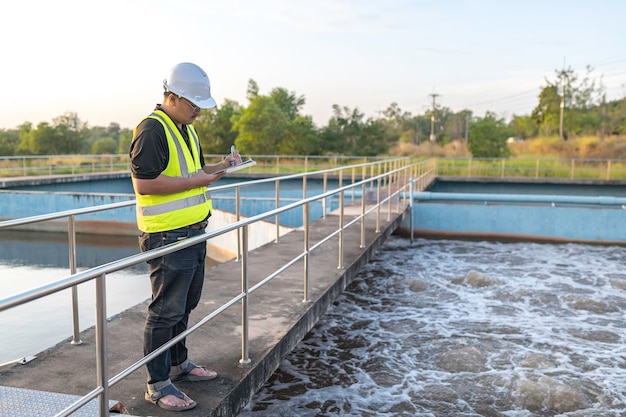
245, 164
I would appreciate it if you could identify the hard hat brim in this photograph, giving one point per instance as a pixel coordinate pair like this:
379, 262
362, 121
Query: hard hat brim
205, 104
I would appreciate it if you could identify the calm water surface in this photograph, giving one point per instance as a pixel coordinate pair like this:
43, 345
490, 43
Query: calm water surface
450, 328
29, 260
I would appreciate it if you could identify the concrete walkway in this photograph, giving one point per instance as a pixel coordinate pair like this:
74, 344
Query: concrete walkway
279, 320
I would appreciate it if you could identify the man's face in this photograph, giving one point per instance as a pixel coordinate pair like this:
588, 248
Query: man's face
185, 111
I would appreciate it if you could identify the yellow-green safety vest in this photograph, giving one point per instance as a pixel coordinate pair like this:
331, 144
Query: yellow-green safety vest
161, 212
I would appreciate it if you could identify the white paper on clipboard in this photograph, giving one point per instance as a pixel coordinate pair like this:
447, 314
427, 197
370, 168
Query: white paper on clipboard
245, 164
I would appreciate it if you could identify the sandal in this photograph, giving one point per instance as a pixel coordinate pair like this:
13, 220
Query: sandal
155, 398
186, 375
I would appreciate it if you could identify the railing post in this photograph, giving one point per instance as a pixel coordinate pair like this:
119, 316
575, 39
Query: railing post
341, 206
324, 202
571, 175
537, 169
277, 206
245, 359
389, 192
362, 245
502, 170
238, 217
363, 175
608, 169
71, 241
378, 206
411, 220
353, 181
401, 185
305, 223
340, 178
102, 374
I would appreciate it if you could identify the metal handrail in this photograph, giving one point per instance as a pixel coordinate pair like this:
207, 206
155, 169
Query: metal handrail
70, 215
26, 165
99, 273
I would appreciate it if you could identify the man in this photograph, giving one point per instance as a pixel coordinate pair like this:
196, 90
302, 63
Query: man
170, 181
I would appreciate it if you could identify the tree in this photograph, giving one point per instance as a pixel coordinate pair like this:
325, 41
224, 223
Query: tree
215, 127
9, 142
104, 146
126, 136
348, 133
547, 113
523, 127
114, 130
455, 125
487, 137
578, 98
70, 134
273, 124
398, 125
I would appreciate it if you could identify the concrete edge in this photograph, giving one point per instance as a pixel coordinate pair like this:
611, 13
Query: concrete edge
254, 380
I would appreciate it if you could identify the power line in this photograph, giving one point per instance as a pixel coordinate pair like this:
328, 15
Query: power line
503, 98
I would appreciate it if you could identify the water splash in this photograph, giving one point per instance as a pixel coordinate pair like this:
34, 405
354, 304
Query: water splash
451, 328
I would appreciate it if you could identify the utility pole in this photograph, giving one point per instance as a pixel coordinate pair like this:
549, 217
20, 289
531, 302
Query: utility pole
432, 118
563, 79
562, 104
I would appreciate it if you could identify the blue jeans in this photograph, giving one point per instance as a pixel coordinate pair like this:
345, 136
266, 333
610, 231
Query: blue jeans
176, 281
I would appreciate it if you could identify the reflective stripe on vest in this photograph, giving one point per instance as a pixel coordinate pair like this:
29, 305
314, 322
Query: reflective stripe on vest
175, 205
156, 213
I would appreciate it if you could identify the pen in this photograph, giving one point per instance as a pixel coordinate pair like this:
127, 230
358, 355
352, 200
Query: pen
232, 153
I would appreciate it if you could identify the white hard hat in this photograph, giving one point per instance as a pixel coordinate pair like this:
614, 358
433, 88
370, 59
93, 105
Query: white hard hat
189, 81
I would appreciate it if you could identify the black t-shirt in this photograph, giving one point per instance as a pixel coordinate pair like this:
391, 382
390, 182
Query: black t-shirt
149, 153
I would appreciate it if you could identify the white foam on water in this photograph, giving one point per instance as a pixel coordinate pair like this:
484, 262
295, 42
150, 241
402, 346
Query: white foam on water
452, 328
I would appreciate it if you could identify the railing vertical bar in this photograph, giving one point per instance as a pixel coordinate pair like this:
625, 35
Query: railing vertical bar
324, 200
340, 254
277, 206
71, 240
238, 217
363, 176
340, 178
102, 373
389, 194
537, 168
362, 245
353, 181
305, 224
245, 355
378, 205
400, 189
411, 215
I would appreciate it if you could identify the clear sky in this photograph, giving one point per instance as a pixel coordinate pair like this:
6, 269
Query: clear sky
106, 60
